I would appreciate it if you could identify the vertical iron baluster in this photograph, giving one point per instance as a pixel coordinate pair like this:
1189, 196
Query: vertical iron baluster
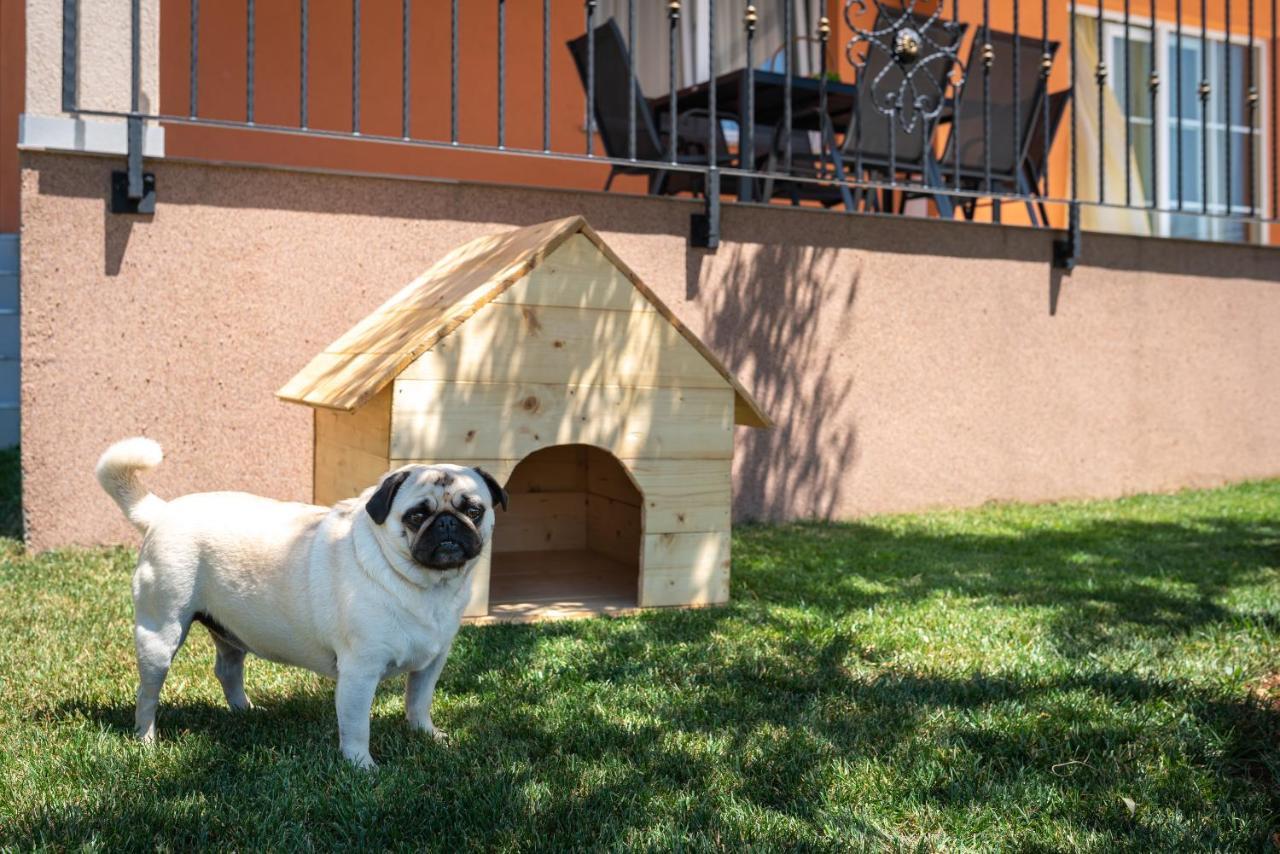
355, 66
1275, 123
195, 59
1075, 176
303, 38
1017, 93
404, 69
1226, 105
988, 57
673, 109
1102, 124
70, 55
1177, 94
1252, 166
546, 75
956, 110
1046, 66
788, 11
453, 72
502, 74
712, 148
824, 33
631, 79
748, 127
1203, 92
1153, 83
1128, 112
134, 128
249, 51
591, 76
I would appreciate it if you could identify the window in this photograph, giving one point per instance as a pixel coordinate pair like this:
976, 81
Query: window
1183, 135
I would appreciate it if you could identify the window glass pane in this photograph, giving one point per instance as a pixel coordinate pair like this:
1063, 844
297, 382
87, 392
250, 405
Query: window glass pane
1140, 66
1141, 140
1190, 166
1189, 80
1239, 84
1240, 189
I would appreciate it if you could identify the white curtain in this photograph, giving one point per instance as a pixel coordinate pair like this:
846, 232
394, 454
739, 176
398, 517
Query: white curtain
649, 43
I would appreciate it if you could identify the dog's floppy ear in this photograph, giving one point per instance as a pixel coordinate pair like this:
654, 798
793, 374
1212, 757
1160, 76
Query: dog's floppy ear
495, 489
379, 505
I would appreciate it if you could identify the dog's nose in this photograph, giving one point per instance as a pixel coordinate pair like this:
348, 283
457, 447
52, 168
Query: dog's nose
447, 524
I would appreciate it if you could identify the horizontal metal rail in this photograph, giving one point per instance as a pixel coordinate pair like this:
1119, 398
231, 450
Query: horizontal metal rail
919, 119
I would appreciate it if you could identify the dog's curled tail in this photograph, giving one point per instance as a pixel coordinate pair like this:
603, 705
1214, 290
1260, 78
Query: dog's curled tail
118, 470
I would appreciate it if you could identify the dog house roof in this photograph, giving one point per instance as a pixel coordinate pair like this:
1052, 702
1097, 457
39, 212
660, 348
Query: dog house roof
358, 365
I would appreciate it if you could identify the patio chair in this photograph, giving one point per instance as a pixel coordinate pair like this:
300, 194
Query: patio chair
612, 120
1008, 166
875, 143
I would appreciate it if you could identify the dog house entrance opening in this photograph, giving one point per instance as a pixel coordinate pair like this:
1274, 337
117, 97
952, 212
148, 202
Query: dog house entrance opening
570, 542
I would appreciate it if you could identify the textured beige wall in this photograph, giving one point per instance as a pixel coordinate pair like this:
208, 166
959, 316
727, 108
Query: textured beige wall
105, 71
908, 364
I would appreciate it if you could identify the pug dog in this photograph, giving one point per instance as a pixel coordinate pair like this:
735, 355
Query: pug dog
370, 588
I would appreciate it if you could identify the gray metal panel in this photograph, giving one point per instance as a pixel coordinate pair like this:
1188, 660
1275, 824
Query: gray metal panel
8, 253
8, 291
9, 339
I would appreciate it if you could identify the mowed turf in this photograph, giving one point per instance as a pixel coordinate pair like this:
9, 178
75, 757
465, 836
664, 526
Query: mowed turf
1077, 676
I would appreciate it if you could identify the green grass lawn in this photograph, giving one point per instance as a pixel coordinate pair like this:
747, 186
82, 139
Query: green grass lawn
1077, 676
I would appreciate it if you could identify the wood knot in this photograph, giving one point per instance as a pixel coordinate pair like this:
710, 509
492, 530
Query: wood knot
530, 404
471, 434
559, 345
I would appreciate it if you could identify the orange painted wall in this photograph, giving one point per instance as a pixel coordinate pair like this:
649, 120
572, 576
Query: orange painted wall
222, 76
12, 63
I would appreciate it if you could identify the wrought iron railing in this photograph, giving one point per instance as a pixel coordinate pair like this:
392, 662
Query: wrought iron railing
925, 103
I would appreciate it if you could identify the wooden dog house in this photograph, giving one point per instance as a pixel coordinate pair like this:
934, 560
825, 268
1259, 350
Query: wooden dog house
538, 355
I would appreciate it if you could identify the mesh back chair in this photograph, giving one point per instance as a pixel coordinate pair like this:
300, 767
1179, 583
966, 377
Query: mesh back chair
1034, 162
967, 124
612, 119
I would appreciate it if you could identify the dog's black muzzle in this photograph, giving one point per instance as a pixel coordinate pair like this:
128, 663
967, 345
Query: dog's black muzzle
447, 542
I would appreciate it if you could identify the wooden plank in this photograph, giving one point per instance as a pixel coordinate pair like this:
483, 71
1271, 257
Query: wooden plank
749, 414
613, 528
562, 468
685, 569
542, 521
342, 472
439, 420
478, 603
684, 495
607, 476
367, 429
559, 583
576, 275
554, 344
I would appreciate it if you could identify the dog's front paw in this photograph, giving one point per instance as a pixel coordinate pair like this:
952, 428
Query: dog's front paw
430, 729
363, 761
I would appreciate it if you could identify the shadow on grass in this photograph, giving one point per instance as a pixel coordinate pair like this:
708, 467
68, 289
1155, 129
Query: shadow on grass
737, 723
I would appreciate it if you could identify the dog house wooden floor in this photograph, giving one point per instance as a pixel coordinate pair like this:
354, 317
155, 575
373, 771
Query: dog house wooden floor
570, 542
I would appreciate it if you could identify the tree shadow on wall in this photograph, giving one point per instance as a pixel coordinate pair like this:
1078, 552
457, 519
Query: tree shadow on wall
777, 318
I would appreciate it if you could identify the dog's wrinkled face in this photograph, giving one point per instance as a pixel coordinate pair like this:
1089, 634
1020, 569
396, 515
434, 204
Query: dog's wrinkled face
440, 516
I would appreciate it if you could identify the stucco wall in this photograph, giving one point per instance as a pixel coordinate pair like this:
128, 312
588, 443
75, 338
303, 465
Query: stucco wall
908, 363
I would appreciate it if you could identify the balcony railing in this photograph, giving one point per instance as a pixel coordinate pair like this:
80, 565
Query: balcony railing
1154, 116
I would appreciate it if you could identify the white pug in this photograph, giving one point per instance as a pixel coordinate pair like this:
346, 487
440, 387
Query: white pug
372, 587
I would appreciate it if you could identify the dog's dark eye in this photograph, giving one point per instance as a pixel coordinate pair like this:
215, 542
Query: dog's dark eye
414, 519
475, 513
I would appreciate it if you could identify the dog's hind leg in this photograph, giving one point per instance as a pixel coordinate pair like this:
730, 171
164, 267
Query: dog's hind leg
157, 643
229, 668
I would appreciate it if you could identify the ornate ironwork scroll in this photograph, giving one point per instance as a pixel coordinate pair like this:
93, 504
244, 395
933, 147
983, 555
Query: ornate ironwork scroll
900, 39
